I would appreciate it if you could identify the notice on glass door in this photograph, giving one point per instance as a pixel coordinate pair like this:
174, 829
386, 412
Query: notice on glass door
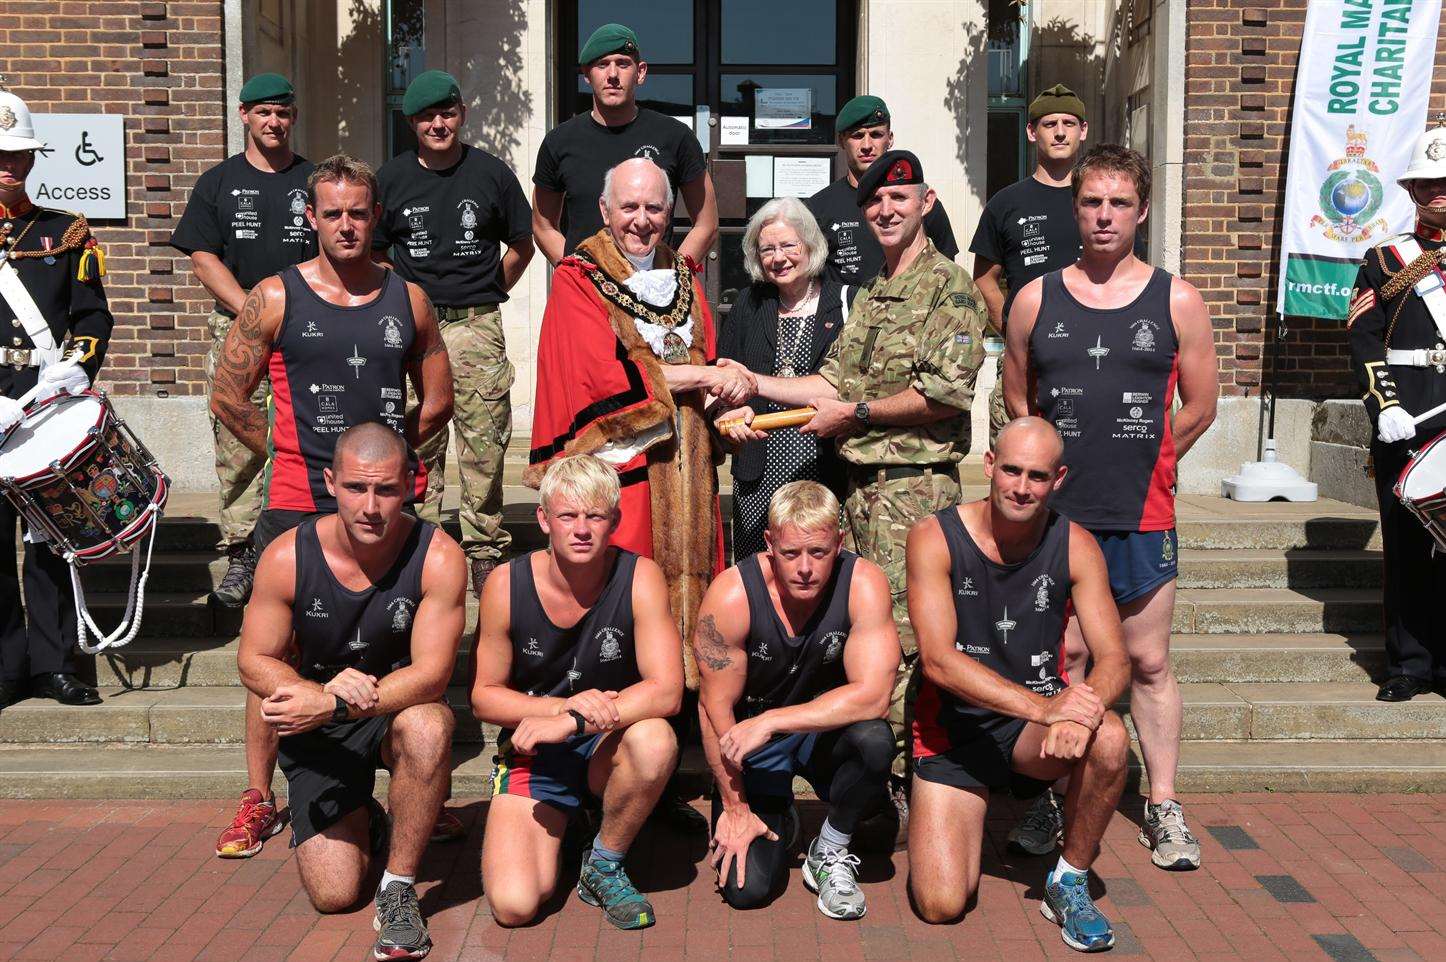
735, 132
800, 176
783, 108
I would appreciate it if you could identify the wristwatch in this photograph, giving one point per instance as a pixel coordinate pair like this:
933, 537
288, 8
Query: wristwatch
861, 413
577, 717
339, 713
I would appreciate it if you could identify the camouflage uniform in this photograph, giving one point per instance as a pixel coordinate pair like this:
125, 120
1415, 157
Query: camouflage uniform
923, 328
238, 468
482, 380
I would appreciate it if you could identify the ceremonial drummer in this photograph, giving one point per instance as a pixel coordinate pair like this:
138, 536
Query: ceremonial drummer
1397, 325
50, 299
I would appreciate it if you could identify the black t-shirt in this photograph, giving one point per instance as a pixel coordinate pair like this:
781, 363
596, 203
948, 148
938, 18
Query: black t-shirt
444, 226
576, 154
254, 221
1028, 228
854, 253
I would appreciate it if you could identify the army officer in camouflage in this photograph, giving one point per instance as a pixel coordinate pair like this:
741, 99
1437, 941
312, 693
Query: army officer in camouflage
896, 388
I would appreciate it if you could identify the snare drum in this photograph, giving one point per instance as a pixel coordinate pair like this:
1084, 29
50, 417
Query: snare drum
1422, 488
78, 475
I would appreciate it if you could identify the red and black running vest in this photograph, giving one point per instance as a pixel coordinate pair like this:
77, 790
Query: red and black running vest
1106, 379
370, 630
1011, 619
333, 367
785, 669
597, 652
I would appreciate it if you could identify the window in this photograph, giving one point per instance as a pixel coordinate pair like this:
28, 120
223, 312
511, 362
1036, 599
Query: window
406, 58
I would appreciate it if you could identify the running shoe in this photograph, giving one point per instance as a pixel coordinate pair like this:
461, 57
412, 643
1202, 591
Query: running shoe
256, 820
448, 828
833, 874
1041, 828
1067, 903
401, 932
604, 884
1175, 847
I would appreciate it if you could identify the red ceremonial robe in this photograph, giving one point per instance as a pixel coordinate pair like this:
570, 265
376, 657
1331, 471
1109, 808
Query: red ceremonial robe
599, 383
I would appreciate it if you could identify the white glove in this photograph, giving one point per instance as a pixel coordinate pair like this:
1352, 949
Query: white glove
10, 413
66, 376
1395, 424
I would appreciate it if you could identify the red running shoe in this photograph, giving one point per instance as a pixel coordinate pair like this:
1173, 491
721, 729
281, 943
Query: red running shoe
449, 827
256, 820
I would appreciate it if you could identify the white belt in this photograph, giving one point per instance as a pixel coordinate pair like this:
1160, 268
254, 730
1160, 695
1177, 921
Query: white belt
12, 289
1417, 358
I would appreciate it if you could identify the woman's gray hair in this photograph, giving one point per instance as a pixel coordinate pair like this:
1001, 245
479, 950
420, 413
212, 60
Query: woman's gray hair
790, 211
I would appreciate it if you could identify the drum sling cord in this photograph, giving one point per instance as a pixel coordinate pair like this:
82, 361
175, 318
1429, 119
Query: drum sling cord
130, 625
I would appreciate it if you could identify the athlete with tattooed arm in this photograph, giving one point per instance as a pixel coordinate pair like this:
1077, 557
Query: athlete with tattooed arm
340, 337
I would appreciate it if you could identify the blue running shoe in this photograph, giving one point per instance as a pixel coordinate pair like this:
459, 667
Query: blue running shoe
1067, 903
604, 884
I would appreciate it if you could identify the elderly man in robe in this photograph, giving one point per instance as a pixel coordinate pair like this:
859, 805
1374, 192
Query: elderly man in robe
625, 369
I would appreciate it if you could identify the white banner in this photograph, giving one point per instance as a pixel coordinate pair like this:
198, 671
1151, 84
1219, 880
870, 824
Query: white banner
1360, 104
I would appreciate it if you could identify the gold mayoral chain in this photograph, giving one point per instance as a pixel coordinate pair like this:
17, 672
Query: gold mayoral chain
675, 351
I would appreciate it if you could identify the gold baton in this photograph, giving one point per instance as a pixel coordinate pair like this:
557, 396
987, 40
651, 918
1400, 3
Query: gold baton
791, 418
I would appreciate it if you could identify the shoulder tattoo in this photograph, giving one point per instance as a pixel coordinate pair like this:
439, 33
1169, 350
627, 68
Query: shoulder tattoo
710, 646
245, 349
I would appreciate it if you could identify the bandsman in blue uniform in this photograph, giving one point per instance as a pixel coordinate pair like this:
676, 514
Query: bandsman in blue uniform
1397, 329
54, 327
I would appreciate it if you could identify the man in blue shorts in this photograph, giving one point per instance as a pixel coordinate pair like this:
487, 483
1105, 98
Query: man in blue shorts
580, 663
797, 655
1105, 344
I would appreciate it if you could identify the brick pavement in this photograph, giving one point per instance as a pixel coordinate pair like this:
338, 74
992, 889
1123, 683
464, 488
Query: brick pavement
1298, 877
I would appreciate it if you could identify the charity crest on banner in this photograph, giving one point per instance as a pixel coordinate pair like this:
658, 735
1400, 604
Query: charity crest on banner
1360, 104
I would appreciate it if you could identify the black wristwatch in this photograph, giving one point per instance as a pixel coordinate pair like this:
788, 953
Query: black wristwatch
340, 712
861, 413
581, 722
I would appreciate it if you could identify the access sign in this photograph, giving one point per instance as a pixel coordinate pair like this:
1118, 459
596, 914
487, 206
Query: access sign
82, 166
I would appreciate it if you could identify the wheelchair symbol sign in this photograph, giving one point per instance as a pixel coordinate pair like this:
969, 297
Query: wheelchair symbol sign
86, 154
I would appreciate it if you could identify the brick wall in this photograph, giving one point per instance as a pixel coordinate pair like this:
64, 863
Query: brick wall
160, 65
1239, 75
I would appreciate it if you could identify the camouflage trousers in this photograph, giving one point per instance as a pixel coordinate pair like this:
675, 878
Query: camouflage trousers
482, 418
238, 468
879, 515
998, 414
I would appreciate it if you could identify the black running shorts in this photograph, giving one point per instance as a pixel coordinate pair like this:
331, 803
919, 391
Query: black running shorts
331, 772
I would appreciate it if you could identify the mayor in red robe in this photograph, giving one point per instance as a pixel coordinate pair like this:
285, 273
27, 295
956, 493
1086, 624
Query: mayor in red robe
624, 372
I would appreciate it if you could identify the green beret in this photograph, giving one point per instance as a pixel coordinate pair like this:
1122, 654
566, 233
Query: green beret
863, 111
1058, 99
609, 38
268, 88
895, 168
432, 87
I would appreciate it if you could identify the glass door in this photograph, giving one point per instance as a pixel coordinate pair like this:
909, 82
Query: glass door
758, 81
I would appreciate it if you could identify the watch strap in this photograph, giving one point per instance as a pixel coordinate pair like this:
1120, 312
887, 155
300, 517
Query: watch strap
339, 713
581, 722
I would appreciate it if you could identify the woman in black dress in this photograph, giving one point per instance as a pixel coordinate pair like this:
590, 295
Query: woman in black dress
782, 324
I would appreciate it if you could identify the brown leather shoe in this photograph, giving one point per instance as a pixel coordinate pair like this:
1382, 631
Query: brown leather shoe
481, 568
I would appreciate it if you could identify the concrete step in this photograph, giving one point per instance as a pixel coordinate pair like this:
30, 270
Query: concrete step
1230, 658
219, 771
1278, 568
1338, 711
202, 571
1277, 610
167, 716
1226, 658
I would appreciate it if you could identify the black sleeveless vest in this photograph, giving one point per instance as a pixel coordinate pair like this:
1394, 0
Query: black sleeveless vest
333, 367
597, 652
788, 670
1011, 619
1106, 379
369, 630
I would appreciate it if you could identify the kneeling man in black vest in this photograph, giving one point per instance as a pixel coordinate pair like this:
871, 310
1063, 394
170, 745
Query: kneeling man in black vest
580, 663
350, 638
992, 586
797, 653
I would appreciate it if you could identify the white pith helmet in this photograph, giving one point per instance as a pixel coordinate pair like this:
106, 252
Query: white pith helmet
1428, 160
